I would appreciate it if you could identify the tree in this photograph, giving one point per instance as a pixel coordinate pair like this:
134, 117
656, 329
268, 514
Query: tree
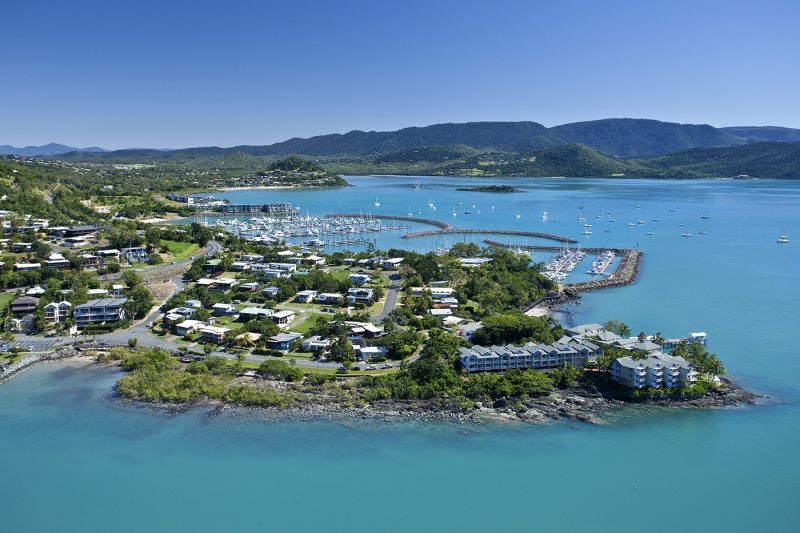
132, 342
342, 349
239, 362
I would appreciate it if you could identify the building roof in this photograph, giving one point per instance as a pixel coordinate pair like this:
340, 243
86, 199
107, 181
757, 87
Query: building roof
285, 337
103, 302
283, 313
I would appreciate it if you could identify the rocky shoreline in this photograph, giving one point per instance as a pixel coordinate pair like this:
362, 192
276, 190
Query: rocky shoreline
575, 404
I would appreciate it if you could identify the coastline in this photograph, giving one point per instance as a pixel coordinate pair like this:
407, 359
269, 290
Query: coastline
578, 403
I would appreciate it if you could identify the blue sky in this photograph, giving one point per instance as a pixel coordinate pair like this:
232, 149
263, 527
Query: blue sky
194, 73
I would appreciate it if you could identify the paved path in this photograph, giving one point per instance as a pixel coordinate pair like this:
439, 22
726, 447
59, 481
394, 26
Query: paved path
391, 299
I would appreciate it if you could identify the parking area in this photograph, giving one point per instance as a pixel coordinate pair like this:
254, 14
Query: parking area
38, 345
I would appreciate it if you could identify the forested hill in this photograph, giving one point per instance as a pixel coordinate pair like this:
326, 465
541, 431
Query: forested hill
617, 137
760, 160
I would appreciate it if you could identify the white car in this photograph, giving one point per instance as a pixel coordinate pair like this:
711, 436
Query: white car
371, 367
387, 365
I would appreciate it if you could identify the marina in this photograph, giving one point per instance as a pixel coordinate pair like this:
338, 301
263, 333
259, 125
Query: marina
560, 266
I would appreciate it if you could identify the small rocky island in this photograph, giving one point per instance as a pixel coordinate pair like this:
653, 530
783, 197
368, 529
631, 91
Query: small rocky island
490, 188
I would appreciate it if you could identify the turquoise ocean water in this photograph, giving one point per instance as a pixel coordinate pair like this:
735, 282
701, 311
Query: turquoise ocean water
76, 459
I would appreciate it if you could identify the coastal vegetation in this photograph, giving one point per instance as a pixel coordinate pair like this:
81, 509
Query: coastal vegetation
490, 188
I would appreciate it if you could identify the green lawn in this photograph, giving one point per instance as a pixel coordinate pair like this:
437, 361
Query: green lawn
180, 250
5, 299
309, 322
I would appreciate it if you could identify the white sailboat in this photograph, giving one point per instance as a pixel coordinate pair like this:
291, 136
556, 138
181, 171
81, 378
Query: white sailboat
377, 203
783, 238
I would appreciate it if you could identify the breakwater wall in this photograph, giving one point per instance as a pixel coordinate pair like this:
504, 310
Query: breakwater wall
420, 220
544, 248
34, 359
456, 231
625, 274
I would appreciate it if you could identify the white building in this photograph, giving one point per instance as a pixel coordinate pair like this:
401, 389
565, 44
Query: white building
657, 371
531, 355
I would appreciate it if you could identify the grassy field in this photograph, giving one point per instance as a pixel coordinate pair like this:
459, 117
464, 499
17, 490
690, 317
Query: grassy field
309, 322
5, 299
180, 250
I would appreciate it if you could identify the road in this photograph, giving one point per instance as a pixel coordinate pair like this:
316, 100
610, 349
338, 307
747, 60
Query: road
391, 298
139, 330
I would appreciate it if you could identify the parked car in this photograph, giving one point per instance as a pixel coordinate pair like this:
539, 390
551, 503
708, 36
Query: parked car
372, 367
387, 365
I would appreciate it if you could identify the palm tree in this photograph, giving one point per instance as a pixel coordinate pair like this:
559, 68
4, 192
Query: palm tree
714, 366
624, 330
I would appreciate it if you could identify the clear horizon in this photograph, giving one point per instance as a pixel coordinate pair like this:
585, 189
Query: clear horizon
193, 74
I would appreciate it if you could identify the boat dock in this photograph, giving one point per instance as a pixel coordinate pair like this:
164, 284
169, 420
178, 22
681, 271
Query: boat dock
602, 262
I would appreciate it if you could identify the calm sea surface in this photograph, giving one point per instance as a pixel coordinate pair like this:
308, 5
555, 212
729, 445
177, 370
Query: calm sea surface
75, 459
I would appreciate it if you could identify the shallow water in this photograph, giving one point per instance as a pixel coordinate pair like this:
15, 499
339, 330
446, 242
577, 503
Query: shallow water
76, 459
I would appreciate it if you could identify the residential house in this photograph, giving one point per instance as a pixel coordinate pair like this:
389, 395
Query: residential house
135, 254
194, 304
283, 318
106, 310
110, 253
213, 265
361, 295
468, 330
440, 313
223, 285
252, 258
24, 305
239, 266
254, 313
188, 327
90, 261
252, 286
392, 263
371, 352
21, 247
57, 311
270, 292
222, 309
305, 296
118, 289
28, 266
36, 291
359, 279
281, 341
213, 334
473, 262
80, 231
57, 261
185, 312
316, 344
330, 298
77, 242
98, 293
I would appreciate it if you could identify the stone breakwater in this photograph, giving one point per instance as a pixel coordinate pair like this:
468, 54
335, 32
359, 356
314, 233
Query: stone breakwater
34, 359
625, 273
456, 231
420, 220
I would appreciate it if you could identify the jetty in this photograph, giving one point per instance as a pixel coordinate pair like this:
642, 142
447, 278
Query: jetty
398, 218
456, 231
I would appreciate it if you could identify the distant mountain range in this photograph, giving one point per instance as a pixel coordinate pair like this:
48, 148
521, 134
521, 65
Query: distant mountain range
45, 150
638, 147
626, 138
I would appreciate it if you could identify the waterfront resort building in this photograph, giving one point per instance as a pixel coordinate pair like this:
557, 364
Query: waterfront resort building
567, 351
657, 371
105, 310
